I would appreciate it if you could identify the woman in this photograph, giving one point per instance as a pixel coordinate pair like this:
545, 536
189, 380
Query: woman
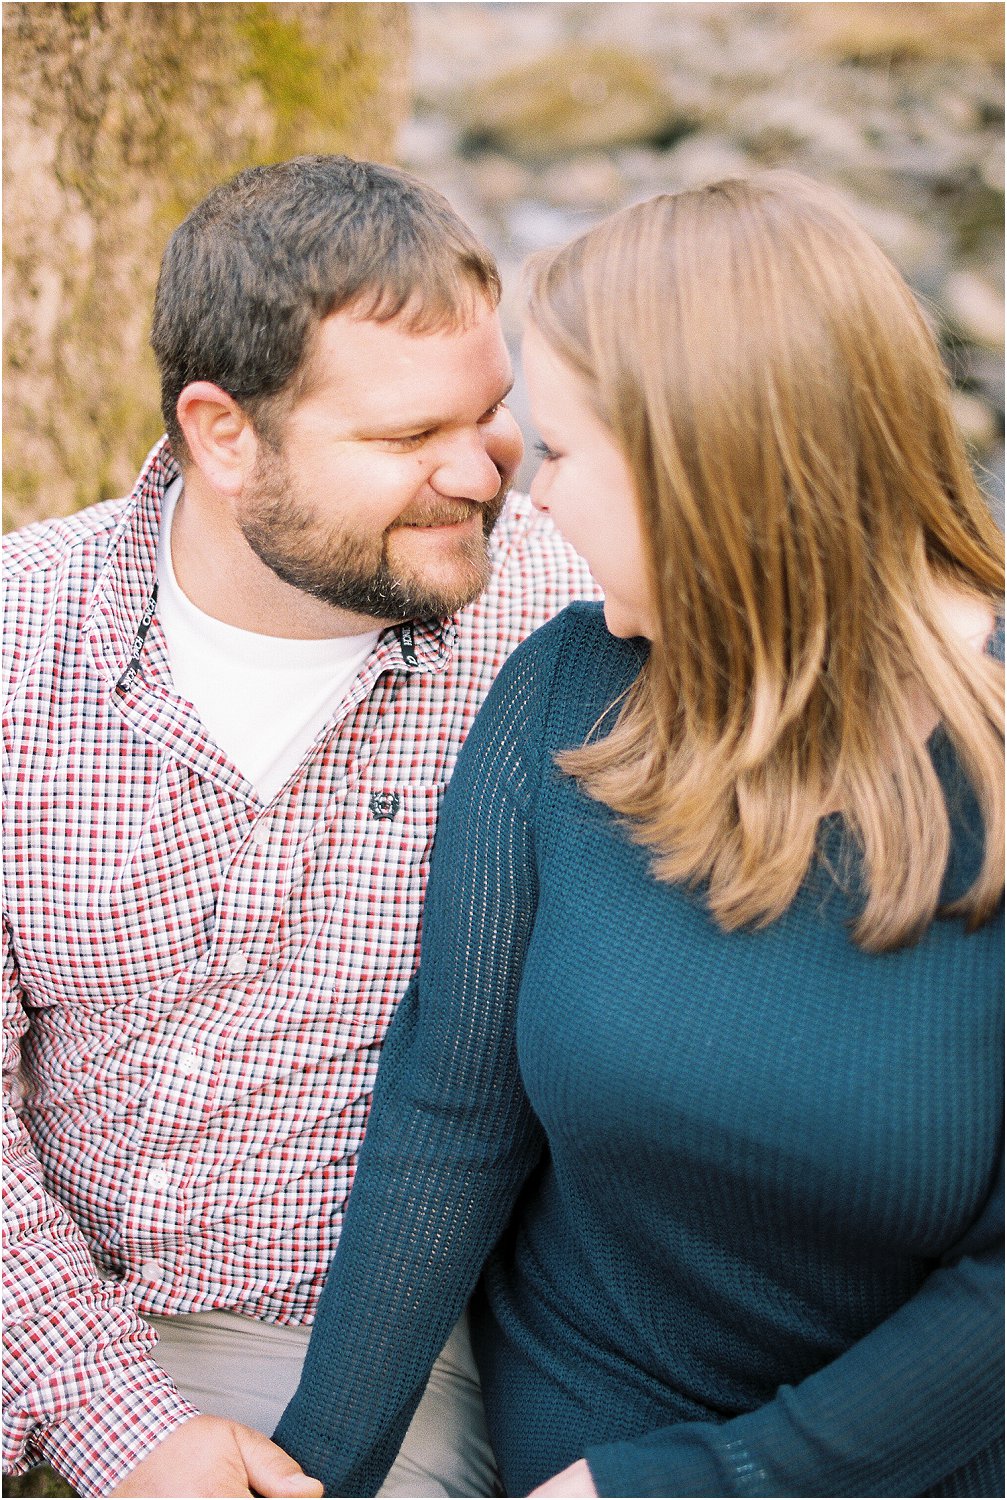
701, 1069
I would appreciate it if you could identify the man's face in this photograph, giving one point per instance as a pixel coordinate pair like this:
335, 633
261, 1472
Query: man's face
390, 472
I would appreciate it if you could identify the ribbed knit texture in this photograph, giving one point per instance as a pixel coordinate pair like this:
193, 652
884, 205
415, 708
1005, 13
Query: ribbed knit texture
738, 1191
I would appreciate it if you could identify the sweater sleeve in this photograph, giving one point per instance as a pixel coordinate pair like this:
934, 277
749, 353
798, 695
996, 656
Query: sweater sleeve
914, 1407
451, 1137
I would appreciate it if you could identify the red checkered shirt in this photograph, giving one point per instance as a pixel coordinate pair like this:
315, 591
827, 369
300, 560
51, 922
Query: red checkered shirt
198, 983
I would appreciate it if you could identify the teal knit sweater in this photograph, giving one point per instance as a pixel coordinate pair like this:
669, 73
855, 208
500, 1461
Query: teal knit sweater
731, 1200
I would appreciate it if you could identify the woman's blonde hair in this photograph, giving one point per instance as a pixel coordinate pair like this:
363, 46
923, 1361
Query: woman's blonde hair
807, 504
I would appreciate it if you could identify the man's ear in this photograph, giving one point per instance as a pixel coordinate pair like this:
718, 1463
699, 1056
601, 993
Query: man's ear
221, 439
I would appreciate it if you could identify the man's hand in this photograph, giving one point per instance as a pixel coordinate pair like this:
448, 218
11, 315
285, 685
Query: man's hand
576, 1480
213, 1456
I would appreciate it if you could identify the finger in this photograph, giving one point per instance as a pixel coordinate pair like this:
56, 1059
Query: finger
270, 1471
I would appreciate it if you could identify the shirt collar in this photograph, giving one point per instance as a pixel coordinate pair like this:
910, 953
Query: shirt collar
129, 574
420, 645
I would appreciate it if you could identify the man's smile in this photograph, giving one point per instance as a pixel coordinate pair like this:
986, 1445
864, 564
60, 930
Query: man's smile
443, 518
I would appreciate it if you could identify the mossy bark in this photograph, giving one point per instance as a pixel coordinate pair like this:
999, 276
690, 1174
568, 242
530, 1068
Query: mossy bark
117, 119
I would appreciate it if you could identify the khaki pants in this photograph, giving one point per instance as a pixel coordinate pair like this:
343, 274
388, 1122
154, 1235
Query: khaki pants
231, 1366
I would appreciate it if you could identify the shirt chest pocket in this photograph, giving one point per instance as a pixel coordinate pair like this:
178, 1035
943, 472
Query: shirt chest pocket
381, 861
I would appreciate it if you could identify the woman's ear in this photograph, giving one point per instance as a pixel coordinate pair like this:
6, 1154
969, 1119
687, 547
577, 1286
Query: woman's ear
220, 437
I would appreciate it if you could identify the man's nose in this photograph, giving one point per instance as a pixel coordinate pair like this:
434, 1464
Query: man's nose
476, 464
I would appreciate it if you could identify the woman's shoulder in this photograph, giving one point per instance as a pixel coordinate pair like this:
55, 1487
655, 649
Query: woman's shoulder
965, 814
579, 636
580, 666
553, 687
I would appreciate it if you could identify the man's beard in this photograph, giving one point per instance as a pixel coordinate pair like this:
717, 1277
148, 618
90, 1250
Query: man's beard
353, 572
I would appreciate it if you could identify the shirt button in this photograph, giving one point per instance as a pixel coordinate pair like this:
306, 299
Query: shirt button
151, 1270
236, 963
260, 835
159, 1177
189, 1062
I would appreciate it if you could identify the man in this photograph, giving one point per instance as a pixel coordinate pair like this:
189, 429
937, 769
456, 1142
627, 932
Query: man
234, 701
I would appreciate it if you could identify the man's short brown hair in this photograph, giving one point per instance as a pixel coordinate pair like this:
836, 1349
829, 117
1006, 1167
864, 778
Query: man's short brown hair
254, 268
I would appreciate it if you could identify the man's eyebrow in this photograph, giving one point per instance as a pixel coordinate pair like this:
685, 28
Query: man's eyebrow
420, 424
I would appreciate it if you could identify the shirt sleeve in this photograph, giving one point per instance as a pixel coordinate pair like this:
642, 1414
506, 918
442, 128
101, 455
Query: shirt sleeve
80, 1388
915, 1407
451, 1137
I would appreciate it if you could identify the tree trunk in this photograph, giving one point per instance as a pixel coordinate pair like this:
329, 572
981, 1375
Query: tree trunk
117, 120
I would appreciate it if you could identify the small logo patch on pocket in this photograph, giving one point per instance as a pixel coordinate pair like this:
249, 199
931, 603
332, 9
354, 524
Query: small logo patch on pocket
384, 804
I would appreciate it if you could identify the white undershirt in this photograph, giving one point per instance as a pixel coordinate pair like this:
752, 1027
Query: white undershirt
263, 698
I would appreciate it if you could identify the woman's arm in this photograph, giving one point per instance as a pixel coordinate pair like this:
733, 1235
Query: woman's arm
451, 1138
920, 1397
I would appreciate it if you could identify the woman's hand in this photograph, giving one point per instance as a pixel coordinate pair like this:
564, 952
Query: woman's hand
576, 1480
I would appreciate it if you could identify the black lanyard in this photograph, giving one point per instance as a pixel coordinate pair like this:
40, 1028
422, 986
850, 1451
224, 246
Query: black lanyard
132, 671
129, 676
407, 645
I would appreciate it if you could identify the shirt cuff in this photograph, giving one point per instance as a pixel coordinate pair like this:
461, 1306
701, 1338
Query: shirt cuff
114, 1428
672, 1461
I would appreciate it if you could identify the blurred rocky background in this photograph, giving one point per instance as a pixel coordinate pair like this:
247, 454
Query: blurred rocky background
534, 119
537, 119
